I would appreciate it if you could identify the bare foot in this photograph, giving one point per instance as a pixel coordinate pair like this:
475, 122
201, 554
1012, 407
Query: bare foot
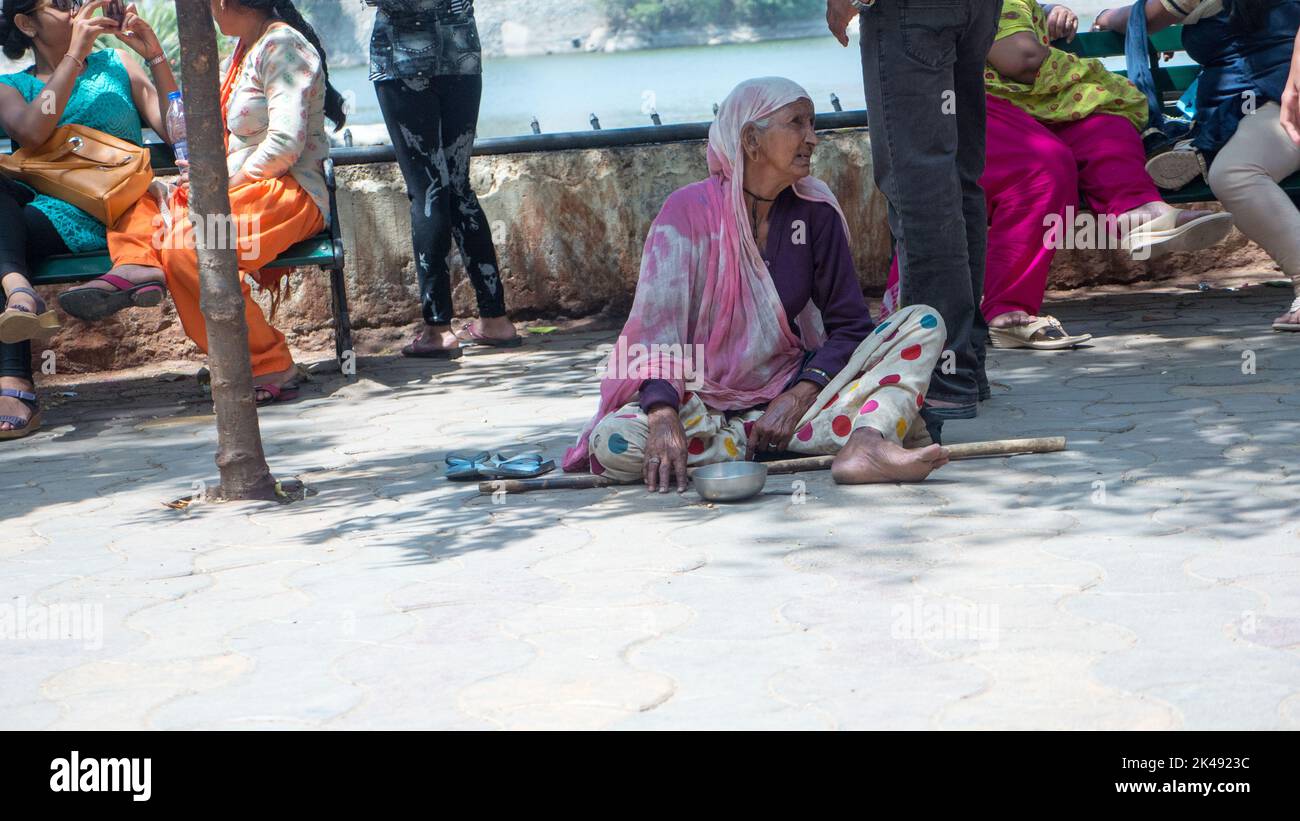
868, 457
495, 327
279, 378
14, 407
134, 274
1289, 318
1142, 215
436, 337
1146, 213
1011, 319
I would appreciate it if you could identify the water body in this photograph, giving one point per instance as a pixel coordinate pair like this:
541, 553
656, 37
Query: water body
682, 84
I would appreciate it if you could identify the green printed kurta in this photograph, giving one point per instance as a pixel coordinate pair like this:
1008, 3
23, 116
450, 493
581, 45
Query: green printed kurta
1067, 87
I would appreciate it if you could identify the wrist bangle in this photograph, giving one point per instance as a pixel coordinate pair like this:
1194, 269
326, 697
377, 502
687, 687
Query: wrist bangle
80, 62
154, 61
815, 372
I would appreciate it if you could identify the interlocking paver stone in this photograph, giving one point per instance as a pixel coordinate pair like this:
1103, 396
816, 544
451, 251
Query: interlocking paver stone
1145, 578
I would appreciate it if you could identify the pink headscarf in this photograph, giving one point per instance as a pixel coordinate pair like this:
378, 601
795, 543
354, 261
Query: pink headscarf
704, 296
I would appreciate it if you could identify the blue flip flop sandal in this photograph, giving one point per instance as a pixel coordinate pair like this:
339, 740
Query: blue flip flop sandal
523, 466
464, 467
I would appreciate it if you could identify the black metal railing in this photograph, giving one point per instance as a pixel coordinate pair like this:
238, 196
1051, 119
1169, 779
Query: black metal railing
560, 140
603, 138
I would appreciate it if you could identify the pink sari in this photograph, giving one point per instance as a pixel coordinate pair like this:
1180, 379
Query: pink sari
704, 290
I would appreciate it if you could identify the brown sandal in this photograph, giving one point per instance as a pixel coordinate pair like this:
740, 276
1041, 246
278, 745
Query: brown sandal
20, 324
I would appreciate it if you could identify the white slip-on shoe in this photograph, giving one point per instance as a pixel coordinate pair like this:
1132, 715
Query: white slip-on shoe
1177, 167
1163, 235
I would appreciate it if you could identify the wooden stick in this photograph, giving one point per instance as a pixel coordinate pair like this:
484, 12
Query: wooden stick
963, 450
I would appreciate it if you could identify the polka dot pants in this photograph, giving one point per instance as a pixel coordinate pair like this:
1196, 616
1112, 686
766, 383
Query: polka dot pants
884, 394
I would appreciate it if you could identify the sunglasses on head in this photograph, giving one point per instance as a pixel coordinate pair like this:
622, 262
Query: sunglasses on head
70, 6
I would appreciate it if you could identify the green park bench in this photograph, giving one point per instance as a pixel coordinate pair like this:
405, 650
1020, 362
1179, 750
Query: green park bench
1170, 80
325, 250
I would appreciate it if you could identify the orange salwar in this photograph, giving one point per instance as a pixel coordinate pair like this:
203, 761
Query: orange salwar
270, 215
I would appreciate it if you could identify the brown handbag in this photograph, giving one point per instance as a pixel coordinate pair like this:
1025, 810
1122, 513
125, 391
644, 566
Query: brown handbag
97, 172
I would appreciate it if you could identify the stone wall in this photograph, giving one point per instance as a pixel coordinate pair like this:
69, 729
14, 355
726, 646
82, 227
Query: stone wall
569, 225
569, 228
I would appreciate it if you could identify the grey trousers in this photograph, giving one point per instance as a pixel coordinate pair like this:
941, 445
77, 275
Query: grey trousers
923, 69
1245, 176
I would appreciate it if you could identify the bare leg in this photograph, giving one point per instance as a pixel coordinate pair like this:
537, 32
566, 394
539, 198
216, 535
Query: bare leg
14, 280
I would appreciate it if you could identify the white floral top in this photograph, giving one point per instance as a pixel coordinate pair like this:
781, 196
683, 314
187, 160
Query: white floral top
276, 113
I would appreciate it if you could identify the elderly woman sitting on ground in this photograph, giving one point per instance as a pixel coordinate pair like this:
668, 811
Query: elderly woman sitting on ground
749, 334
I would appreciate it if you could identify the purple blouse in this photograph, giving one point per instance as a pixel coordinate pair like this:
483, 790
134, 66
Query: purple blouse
808, 257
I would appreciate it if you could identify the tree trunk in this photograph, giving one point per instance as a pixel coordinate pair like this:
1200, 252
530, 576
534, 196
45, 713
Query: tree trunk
240, 459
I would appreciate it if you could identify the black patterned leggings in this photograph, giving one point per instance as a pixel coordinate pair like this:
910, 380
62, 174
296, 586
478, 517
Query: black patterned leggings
432, 123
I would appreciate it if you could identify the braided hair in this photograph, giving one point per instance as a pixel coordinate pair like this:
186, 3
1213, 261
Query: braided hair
286, 11
13, 41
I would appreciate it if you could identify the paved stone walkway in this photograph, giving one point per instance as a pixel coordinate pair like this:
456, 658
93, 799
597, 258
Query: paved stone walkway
1147, 578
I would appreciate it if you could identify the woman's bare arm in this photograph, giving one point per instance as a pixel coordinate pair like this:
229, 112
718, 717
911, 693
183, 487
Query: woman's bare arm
1116, 20
1019, 56
150, 100
31, 124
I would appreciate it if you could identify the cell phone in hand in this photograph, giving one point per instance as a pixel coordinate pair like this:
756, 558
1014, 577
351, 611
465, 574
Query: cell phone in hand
116, 10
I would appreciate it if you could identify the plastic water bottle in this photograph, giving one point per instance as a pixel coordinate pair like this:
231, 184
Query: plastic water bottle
176, 126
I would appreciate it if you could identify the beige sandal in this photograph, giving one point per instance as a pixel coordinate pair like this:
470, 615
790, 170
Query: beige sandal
1177, 167
1043, 334
20, 324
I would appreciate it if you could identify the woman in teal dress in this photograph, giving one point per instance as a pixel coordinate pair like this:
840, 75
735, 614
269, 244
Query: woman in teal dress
69, 82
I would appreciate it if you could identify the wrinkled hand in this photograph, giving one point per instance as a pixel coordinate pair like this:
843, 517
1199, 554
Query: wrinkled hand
86, 29
665, 451
839, 13
1291, 103
138, 34
776, 427
1062, 24
183, 178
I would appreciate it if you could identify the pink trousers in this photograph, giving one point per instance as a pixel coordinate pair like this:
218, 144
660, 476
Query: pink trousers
1034, 169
